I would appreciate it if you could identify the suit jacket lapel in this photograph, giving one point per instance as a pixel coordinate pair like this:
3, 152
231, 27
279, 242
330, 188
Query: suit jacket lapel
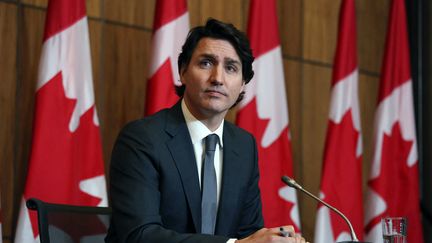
230, 191
181, 149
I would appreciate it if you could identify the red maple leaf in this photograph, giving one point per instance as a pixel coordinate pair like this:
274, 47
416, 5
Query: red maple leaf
342, 183
160, 90
274, 161
60, 159
398, 182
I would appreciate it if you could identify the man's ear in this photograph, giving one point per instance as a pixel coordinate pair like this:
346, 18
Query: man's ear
243, 86
182, 72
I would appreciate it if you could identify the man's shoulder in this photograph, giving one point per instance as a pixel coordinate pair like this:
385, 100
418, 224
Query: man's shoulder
237, 131
153, 124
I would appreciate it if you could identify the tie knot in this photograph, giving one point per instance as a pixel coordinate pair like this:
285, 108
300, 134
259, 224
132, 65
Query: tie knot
210, 142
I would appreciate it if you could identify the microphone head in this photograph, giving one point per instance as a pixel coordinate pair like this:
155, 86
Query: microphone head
289, 181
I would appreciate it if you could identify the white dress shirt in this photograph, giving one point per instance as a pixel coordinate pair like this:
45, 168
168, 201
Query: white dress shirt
198, 131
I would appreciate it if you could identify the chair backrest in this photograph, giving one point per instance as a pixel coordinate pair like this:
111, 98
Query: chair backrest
60, 223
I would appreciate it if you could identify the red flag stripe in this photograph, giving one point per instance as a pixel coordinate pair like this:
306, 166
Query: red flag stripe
263, 26
168, 10
346, 57
396, 66
65, 12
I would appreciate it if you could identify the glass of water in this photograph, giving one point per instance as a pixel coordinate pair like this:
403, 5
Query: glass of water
394, 229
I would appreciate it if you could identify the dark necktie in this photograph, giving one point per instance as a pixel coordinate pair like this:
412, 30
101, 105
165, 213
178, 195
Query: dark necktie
209, 193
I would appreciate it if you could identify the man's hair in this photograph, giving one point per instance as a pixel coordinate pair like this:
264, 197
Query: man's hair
222, 31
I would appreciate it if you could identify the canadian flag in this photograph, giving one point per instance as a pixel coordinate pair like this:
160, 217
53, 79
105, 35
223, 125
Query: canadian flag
393, 186
264, 113
171, 26
66, 164
341, 181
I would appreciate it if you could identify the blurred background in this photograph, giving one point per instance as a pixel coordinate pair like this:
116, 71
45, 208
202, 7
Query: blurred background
120, 37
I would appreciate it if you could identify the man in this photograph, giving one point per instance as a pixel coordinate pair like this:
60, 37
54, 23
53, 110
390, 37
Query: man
162, 187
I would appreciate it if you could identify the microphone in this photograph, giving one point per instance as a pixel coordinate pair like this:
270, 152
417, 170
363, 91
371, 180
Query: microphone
292, 183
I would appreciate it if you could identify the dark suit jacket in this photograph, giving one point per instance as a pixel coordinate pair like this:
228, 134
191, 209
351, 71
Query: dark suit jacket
154, 185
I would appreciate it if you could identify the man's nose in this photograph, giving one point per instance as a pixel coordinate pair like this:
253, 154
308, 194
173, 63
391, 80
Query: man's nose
217, 75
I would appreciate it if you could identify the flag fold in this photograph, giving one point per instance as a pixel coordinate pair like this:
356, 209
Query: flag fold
170, 28
66, 164
341, 180
393, 185
264, 113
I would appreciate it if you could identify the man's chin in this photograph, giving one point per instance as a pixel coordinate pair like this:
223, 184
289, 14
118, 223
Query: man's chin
216, 109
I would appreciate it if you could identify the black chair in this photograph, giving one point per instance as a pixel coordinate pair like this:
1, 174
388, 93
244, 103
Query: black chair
60, 223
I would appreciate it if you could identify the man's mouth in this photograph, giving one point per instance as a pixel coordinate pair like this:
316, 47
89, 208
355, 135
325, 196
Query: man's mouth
215, 92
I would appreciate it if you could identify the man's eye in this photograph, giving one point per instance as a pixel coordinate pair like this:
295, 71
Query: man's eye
205, 63
232, 68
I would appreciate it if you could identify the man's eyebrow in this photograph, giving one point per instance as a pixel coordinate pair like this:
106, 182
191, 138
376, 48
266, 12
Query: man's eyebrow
209, 56
213, 57
232, 61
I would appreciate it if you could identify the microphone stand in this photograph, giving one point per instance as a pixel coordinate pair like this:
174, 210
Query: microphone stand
292, 183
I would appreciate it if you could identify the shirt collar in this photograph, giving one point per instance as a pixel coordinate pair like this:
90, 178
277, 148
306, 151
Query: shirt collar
197, 130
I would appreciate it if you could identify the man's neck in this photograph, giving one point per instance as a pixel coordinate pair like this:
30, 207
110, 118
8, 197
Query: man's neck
211, 120
212, 123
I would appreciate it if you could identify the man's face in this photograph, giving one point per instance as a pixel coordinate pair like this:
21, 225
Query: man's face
213, 78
